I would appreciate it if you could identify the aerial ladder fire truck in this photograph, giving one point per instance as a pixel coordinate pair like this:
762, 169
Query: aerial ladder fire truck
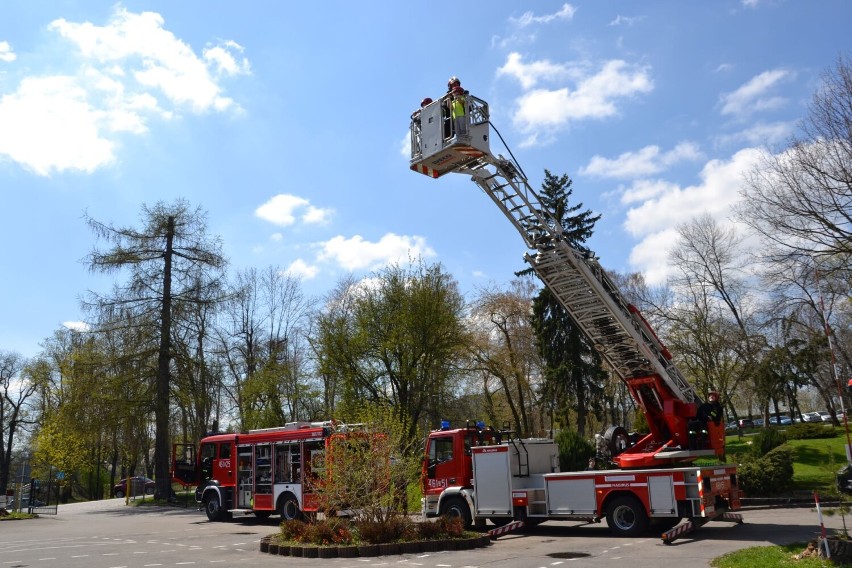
478, 473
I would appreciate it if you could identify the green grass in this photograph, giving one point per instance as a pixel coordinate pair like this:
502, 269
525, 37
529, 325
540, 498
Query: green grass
769, 557
816, 461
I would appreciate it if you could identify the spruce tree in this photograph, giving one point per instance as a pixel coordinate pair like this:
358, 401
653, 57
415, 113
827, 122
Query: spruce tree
573, 378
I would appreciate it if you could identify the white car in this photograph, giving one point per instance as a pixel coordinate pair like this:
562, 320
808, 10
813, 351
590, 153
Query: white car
811, 417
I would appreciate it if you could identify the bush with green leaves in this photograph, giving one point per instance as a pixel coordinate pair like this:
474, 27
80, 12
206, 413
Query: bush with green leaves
767, 440
766, 475
810, 431
574, 450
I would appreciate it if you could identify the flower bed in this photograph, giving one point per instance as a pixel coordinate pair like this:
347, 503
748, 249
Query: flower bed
272, 544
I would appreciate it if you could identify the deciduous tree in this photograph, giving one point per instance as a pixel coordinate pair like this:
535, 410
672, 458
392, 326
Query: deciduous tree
170, 259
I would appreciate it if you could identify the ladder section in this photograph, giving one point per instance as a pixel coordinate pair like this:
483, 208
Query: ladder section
578, 281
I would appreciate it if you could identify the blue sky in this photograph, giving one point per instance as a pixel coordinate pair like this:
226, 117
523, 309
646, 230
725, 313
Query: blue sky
287, 122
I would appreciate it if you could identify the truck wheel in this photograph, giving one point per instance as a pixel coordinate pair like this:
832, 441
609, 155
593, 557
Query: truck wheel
288, 508
213, 508
626, 516
457, 507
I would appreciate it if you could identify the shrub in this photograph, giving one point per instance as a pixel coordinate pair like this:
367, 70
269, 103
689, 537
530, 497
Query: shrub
574, 450
766, 475
767, 440
389, 530
293, 530
810, 431
451, 527
328, 531
428, 530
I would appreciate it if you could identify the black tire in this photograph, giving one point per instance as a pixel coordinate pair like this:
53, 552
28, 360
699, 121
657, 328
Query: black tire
626, 516
457, 507
213, 508
119, 493
150, 491
288, 508
617, 440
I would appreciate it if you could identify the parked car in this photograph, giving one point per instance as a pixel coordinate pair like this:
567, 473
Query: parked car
746, 423
825, 415
14, 505
732, 426
139, 485
811, 417
780, 420
757, 422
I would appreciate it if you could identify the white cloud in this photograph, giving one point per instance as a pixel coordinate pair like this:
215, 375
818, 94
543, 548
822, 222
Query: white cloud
48, 125
626, 20
594, 97
128, 71
566, 12
301, 269
154, 56
647, 161
644, 189
651, 255
79, 326
222, 57
283, 209
655, 219
752, 96
405, 146
530, 74
6, 53
279, 209
356, 253
316, 215
759, 134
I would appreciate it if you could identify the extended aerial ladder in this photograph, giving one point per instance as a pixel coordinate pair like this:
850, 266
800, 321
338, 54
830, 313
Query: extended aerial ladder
615, 328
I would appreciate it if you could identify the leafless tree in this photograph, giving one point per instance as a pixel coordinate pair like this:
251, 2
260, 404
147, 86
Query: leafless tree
713, 330
505, 356
800, 200
15, 392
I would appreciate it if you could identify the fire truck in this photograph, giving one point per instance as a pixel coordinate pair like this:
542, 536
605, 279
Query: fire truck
259, 472
479, 474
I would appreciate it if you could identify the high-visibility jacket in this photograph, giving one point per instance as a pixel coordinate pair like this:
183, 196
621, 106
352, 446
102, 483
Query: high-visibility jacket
457, 107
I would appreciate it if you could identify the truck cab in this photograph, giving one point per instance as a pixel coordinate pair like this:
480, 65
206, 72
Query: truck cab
447, 473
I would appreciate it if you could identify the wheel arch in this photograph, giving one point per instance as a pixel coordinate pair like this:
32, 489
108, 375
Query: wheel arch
283, 498
613, 495
464, 493
213, 490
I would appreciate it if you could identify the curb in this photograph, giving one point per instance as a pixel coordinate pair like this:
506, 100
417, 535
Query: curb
784, 503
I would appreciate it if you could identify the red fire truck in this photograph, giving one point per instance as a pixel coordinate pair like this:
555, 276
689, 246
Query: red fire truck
260, 472
478, 474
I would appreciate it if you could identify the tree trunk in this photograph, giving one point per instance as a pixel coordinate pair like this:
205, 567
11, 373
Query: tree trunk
161, 443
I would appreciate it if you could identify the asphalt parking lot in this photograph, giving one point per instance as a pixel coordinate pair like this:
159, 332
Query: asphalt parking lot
109, 534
